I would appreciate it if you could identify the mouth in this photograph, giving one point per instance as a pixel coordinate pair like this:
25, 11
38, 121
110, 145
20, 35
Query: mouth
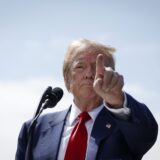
87, 83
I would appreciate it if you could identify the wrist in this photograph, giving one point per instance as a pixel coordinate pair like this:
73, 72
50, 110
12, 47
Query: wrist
117, 102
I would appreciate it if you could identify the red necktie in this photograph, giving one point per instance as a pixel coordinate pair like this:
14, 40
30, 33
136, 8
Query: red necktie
77, 145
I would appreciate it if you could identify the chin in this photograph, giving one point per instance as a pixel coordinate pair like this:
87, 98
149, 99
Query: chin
89, 93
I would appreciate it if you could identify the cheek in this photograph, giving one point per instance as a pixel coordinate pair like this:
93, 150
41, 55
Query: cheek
69, 81
76, 77
74, 81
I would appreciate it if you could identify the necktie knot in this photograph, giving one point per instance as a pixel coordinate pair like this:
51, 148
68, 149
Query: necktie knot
84, 117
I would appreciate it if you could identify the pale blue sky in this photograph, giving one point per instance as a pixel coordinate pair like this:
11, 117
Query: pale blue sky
34, 35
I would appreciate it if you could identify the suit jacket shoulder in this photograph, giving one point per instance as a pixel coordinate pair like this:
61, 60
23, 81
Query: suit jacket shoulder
47, 136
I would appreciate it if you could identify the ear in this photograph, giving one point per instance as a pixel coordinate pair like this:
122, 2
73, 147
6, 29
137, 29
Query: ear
67, 82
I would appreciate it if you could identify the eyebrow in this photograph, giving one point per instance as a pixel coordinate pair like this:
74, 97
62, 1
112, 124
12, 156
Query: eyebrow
79, 59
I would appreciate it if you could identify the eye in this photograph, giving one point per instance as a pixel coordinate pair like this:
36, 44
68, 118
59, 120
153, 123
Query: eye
79, 66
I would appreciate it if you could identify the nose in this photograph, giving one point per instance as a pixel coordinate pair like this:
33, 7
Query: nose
90, 72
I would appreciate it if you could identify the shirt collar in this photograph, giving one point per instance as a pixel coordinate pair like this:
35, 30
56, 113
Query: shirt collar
75, 111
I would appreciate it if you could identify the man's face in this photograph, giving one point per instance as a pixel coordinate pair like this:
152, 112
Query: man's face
81, 75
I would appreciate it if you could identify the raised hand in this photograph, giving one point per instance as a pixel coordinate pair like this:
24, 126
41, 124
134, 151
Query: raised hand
108, 84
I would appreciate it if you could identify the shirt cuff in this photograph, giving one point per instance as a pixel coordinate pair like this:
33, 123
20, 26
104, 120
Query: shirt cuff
122, 113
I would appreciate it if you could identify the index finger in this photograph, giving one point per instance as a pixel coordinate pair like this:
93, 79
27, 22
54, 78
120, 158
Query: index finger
100, 65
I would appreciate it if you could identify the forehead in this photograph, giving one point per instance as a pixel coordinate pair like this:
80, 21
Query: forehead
86, 54
86, 57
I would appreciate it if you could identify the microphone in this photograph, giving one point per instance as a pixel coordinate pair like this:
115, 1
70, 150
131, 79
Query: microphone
45, 94
49, 99
53, 97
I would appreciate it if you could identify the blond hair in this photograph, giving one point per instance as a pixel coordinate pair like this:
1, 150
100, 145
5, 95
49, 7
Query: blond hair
86, 44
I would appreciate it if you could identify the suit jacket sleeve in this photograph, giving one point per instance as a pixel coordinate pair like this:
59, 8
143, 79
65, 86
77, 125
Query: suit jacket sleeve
141, 130
22, 143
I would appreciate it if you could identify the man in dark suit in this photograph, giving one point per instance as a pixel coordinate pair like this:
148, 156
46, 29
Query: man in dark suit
116, 126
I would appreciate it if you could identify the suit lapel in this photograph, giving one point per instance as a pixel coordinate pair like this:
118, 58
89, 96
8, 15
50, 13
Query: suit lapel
103, 127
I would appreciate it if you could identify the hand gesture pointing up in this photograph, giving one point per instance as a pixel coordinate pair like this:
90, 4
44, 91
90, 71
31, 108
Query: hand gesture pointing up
108, 84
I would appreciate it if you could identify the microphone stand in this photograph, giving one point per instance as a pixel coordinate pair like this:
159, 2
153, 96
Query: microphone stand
46, 101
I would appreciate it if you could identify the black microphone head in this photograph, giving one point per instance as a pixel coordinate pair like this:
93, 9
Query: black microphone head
58, 93
53, 98
46, 93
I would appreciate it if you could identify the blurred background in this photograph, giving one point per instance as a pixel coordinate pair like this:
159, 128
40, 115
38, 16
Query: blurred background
35, 34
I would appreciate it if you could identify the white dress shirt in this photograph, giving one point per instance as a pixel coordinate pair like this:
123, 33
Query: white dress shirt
72, 120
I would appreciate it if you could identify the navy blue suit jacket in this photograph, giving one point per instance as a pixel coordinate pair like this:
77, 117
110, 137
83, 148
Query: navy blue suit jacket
123, 140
